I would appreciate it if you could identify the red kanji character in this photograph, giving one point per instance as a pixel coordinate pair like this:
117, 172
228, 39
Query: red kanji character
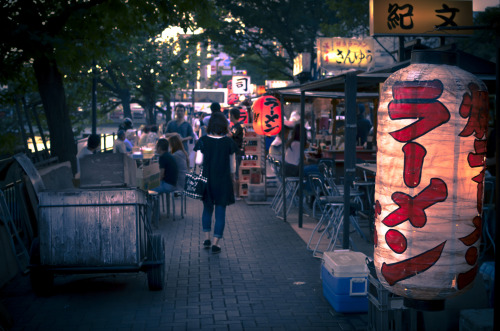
478, 160
396, 241
412, 209
417, 100
475, 107
414, 159
475, 235
398, 271
466, 278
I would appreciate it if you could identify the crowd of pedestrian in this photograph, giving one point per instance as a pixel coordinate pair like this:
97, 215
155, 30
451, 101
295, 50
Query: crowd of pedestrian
215, 144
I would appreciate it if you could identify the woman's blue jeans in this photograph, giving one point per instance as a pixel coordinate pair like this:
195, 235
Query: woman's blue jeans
220, 218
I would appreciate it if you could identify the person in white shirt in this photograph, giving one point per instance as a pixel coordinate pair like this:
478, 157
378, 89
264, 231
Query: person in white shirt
119, 143
93, 143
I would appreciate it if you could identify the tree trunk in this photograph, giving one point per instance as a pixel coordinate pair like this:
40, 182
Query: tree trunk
51, 89
124, 95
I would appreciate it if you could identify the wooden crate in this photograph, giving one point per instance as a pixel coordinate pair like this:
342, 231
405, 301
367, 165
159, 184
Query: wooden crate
108, 170
148, 176
92, 227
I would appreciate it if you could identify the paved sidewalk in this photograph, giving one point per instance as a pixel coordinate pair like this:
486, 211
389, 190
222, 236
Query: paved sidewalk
264, 279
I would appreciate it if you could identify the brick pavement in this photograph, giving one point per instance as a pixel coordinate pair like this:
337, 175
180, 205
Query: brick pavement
264, 279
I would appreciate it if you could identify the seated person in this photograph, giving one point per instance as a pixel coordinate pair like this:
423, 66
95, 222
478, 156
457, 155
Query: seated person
153, 135
181, 158
130, 140
168, 168
119, 143
93, 143
143, 140
292, 153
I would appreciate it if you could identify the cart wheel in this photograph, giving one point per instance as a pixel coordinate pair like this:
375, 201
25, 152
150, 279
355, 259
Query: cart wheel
41, 280
156, 254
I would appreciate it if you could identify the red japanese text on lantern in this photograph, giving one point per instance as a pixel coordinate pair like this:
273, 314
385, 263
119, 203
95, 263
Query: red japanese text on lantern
272, 118
414, 100
474, 107
267, 116
417, 100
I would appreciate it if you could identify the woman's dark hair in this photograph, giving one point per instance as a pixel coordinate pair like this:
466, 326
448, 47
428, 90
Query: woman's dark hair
162, 144
154, 128
93, 141
176, 143
218, 124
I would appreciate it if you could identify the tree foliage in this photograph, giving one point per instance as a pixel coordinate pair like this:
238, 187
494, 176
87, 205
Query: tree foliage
350, 18
268, 31
58, 37
484, 42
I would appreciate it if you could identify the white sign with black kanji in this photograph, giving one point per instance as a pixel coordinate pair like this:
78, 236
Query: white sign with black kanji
241, 84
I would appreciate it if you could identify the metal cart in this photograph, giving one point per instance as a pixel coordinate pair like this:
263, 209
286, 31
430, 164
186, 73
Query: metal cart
96, 231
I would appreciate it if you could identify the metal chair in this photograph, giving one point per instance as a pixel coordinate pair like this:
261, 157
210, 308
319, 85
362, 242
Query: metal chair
290, 186
165, 202
322, 193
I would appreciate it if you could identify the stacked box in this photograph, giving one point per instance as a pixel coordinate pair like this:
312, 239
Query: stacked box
243, 189
250, 175
250, 161
256, 192
249, 131
253, 145
344, 274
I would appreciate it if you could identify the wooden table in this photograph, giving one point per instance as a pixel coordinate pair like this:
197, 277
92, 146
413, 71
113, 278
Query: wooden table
370, 168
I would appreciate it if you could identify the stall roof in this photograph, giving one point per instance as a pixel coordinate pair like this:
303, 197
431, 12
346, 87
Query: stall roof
368, 82
293, 94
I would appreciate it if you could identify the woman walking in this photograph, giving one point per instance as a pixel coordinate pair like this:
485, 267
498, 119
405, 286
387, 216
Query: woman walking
215, 152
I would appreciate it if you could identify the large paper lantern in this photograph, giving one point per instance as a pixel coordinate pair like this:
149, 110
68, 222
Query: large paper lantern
431, 138
266, 112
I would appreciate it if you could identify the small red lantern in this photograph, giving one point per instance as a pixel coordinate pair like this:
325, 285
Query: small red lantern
232, 99
267, 116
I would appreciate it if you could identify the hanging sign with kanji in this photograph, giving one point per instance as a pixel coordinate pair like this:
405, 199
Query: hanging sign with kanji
422, 17
345, 53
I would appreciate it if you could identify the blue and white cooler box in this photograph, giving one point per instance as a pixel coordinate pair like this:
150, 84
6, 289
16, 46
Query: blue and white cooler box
345, 280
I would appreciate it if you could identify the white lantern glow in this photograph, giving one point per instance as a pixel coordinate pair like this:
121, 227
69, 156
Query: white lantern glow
431, 138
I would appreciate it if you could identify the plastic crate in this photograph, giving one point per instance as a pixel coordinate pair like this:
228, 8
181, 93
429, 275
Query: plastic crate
386, 310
